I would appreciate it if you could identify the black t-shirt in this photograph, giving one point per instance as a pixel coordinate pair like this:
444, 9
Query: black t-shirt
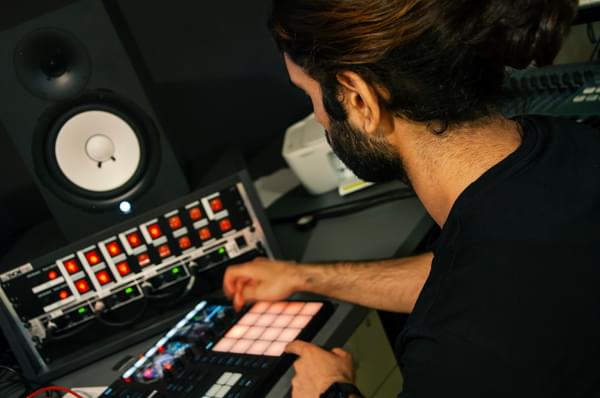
512, 305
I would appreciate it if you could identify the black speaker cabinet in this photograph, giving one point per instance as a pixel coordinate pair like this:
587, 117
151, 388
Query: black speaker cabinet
74, 100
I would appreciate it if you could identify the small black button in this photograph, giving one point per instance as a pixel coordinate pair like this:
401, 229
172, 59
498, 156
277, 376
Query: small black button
222, 360
241, 242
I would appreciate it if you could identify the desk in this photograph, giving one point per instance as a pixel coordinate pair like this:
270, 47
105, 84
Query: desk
377, 232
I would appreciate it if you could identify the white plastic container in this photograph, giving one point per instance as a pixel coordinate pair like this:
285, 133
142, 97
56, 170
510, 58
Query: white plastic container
306, 151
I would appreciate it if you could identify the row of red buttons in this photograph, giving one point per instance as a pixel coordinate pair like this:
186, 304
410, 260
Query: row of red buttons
195, 214
114, 249
134, 239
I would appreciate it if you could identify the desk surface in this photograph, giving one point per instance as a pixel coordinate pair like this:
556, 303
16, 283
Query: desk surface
386, 230
378, 232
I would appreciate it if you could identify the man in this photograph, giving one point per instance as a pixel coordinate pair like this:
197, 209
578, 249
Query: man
508, 304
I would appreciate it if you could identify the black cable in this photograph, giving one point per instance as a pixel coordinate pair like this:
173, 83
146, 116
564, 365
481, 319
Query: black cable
128, 322
20, 379
175, 296
362, 206
591, 33
358, 203
11, 370
595, 51
63, 336
346, 208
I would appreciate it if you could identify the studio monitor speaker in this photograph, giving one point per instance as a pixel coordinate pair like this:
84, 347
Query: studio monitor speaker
74, 100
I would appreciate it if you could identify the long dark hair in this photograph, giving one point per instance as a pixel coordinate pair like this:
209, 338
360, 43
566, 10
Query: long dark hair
439, 60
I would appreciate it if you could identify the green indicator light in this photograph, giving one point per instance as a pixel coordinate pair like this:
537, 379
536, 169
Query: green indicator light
82, 310
222, 250
129, 290
175, 270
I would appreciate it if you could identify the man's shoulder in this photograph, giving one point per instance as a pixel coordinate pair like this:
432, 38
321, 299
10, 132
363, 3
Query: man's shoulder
564, 134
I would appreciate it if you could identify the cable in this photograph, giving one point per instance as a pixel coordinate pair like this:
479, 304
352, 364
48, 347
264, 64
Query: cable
324, 210
11, 370
19, 375
306, 218
67, 335
176, 295
54, 388
595, 51
591, 33
14, 382
364, 205
131, 321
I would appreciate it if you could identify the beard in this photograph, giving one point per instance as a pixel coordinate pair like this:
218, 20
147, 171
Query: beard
371, 158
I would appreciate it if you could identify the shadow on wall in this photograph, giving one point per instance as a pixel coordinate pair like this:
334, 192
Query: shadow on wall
232, 118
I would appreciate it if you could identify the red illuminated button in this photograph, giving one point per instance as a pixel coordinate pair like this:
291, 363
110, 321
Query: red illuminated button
63, 294
134, 240
225, 225
92, 257
114, 248
143, 259
71, 266
103, 277
175, 222
185, 243
216, 205
195, 213
123, 268
52, 275
164, 251
82, 286
154, 231
204, 234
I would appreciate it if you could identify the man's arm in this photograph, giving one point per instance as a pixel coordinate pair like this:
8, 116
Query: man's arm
391, 285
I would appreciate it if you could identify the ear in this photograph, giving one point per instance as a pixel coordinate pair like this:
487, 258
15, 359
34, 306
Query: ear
362, 102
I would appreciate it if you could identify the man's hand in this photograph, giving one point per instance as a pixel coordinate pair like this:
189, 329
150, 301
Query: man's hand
317, 369
261, 279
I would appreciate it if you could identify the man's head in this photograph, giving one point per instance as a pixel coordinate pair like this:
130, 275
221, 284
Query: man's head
367, 64
365, 151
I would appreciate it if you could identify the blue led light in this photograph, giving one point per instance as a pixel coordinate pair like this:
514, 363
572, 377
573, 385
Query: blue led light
213, 313
125, 207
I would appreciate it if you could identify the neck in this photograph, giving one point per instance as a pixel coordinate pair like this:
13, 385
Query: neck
442, 166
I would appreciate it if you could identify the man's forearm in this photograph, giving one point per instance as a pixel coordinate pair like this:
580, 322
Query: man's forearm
391, 285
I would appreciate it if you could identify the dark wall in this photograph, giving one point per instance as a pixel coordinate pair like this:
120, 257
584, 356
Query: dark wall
191, 40
221, 82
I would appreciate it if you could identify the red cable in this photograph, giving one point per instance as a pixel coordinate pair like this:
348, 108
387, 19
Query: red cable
54, 388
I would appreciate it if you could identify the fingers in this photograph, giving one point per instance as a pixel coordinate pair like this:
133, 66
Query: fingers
229, 280
234, 280
298, 347
341, 353
238, 295
261, 279
234, 272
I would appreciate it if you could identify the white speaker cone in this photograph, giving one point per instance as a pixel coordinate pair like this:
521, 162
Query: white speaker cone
97, 151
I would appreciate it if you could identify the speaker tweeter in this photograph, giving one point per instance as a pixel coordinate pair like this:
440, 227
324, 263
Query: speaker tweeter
52, 64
